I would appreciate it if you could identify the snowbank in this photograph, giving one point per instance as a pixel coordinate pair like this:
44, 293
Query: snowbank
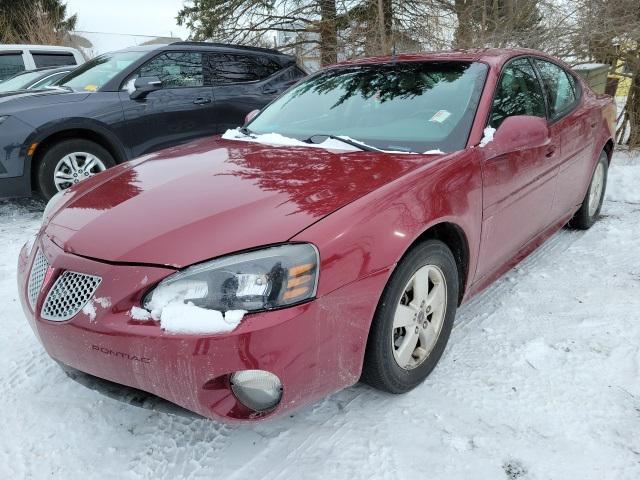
624, 185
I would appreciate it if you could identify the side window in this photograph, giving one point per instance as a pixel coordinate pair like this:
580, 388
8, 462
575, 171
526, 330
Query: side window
560, 87
10, 64
518, 93
228, 68
45, 59
174, 69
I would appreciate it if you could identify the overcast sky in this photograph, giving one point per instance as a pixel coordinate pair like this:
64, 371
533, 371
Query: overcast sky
135, 17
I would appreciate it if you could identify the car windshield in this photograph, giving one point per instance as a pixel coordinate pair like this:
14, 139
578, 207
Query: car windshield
405, 106
95, 73
19, 81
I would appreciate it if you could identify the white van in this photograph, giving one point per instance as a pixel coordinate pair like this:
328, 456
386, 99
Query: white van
17, 58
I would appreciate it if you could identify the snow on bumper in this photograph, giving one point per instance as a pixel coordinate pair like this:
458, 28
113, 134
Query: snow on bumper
315, 348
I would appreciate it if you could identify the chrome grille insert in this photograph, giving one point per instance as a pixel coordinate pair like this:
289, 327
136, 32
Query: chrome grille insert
68, 295
36, 277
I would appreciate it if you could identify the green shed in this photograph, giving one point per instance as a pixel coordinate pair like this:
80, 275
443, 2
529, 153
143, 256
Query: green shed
595, 74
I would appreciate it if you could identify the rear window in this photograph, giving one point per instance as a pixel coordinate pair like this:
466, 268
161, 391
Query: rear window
228, 68
10, 64
53, 59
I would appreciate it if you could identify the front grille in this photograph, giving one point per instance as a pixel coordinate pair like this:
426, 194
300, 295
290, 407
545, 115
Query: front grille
36, 277
68, 295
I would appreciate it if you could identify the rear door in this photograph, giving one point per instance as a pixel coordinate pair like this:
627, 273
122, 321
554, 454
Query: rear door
518, 187
569, 126
178, 112
242, 83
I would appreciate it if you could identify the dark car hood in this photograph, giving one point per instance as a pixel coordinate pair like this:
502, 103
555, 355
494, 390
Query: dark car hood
213, 197
21, 99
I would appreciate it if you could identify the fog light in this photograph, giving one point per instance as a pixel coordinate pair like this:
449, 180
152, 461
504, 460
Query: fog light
256, 389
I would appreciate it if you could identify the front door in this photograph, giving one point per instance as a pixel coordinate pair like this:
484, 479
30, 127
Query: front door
183, 109
518, 186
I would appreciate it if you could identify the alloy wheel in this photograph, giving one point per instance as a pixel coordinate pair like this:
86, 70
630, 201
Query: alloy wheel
419, 317
74, 167
596, 188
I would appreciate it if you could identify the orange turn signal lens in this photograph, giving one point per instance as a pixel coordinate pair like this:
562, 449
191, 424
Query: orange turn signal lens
32, 149
300, 269
295, 293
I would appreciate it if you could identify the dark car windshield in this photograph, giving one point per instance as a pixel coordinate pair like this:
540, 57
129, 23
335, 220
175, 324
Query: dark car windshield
406, 106
19, 81
95, 73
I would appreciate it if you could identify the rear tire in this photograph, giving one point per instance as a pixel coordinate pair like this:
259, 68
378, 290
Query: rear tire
428, 317
65, 163
589, 211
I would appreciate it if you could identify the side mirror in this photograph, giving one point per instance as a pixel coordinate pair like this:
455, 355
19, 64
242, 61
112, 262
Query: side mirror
250, 116
519, 133
143, 85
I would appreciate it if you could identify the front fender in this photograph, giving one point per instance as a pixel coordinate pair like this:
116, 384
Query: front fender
374, 232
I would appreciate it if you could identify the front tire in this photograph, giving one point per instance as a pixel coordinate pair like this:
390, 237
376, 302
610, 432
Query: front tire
589, 211
413, 321
68, 162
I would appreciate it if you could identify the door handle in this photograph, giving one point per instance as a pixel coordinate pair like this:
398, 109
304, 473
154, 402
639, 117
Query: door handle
202, 100
550, 151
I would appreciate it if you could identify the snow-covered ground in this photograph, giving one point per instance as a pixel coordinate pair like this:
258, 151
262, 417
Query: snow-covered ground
541, 380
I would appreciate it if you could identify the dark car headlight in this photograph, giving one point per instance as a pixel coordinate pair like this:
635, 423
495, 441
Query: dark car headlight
258, 280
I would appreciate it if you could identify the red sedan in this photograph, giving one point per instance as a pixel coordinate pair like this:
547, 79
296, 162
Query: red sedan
330, 240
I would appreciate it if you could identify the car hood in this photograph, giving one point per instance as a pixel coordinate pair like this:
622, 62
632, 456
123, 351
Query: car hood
22, 99
213, 197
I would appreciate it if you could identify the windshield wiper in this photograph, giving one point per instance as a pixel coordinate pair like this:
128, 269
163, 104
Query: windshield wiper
61, 87
246, 132
348, 141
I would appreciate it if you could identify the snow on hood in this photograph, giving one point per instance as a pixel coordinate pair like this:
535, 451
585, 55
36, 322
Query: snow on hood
328, 143
213, 197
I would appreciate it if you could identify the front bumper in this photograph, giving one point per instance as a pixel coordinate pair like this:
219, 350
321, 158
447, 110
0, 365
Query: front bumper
314, 348
14, 167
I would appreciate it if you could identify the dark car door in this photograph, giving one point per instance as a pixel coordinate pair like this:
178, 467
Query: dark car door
246, 82
516, 182
570, 127
181, 110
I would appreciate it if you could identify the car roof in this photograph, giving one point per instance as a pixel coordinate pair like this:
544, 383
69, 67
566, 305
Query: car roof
210, 46
52, 48
492, 56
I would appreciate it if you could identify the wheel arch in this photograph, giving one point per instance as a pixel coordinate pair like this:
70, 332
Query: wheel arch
454, 237
86, 131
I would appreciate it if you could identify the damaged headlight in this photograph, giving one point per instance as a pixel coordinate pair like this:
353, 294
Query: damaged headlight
259, 280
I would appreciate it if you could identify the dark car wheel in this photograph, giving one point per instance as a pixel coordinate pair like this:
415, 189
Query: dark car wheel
68, 162
412, 323
589, 211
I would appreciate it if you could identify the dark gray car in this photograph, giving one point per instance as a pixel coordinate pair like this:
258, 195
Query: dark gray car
131, 102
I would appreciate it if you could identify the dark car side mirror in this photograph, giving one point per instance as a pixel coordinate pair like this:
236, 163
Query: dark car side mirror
520, 132
250, 116
143, 85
